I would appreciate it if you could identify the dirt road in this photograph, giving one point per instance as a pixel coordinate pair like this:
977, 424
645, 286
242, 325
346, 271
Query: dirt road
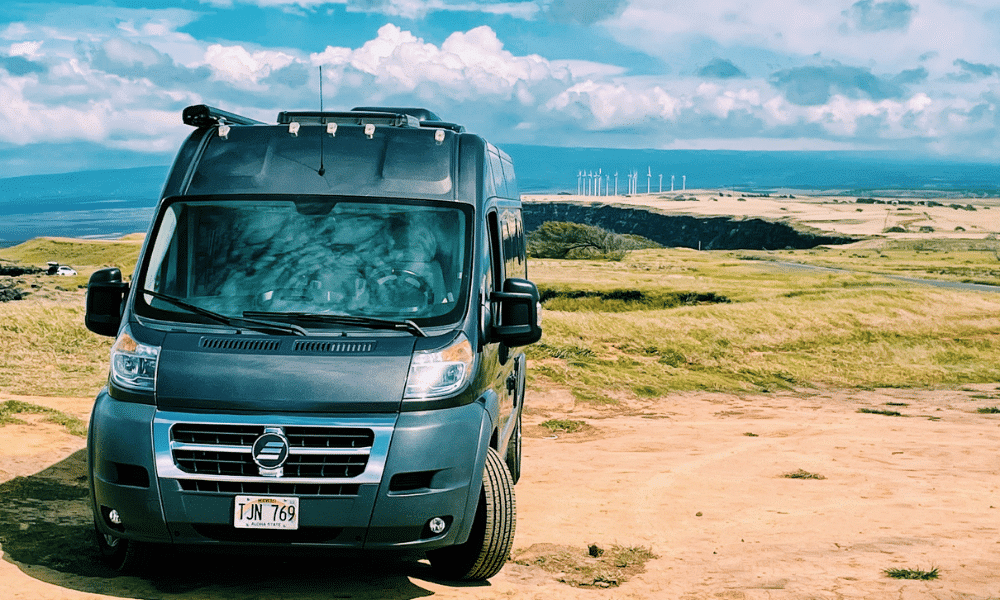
699, 479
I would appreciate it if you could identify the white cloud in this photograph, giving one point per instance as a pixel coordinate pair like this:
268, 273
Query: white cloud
243, 68
407, 9
466, 64
27, 49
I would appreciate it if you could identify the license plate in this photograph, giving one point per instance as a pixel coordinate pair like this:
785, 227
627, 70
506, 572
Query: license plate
266, 512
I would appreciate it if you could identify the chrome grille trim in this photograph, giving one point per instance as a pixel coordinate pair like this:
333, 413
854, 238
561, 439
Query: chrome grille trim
338, 458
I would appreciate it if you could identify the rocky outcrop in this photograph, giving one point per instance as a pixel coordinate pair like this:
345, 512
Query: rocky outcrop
684, 231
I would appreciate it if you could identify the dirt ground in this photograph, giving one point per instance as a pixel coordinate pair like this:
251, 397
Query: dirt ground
697, 478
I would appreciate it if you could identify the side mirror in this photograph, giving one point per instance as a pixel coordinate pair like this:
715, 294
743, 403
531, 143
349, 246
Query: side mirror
105, 292
518, 324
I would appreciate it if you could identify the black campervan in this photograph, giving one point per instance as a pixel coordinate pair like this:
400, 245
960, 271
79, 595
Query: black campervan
319, 345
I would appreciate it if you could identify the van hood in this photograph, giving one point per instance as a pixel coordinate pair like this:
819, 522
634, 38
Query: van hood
242, 373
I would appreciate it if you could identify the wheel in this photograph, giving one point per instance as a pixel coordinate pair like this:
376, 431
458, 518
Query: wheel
514, 452
492, 535
120, 554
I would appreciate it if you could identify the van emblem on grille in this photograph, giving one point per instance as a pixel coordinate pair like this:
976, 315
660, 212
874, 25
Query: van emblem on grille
270, 452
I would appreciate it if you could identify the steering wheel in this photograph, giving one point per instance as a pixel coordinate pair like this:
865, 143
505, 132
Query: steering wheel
402, 290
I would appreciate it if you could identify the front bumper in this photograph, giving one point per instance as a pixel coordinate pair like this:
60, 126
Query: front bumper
418, 466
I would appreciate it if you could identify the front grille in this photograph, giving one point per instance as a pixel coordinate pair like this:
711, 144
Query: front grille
269, 488
327, 465
215, 463
314, 452
326, 437
222, 435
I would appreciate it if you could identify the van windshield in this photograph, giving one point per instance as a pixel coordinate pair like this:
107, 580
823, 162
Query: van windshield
391, 259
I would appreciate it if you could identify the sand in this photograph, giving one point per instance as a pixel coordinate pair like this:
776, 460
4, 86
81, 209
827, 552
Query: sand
681, 476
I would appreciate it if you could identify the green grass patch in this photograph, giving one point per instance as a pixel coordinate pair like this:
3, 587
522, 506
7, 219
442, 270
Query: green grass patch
989, 410
880, 411
917, 574
801, 474
121, 253
564, 425
622, 300
10, 408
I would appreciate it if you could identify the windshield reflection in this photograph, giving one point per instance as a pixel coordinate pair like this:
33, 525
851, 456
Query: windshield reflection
385, 259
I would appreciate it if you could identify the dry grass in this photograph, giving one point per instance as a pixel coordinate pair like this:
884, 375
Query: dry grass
11, 408
783, 329
47, 350
594, 567
802, 474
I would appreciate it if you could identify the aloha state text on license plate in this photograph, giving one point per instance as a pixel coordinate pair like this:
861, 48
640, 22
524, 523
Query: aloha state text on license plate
266, 512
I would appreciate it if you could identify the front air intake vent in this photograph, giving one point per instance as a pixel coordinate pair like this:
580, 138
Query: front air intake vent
335, 347
247, 345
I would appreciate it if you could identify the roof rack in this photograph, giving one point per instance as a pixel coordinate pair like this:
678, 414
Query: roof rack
444, 125
201, 115
384, 119
421, 114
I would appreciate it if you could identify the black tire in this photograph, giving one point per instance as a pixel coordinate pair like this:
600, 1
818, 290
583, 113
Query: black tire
514, 452
120, 554
492, 535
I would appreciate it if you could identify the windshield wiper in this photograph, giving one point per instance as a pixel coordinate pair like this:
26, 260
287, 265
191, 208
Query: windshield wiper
254, 324
369, 322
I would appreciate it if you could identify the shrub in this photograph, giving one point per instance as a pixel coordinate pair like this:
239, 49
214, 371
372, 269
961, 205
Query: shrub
561, 239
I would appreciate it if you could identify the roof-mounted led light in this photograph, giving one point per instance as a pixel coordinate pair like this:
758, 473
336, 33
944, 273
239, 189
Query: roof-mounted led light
293, 128
439, 135
331, 129
370, 130
224, 131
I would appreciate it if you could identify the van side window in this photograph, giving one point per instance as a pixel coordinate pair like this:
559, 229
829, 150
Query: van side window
496, 167
496, 253
511, 179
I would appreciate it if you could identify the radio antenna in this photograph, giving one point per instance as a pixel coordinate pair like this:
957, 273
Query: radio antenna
322, 169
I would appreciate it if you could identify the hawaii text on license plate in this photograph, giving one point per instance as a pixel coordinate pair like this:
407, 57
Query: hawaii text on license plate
266, 512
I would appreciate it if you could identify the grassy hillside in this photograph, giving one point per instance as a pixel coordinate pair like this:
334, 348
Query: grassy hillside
782, 328
968, 261
656, 322
83, 255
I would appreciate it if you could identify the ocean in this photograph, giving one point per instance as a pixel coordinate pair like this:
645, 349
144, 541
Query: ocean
111, 203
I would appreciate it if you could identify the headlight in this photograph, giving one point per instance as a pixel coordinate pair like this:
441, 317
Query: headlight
133, 365
440, 372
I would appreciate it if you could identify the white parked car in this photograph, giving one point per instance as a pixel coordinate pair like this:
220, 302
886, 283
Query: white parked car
64, 270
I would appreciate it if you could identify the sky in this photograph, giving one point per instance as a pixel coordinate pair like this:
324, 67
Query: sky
101, 84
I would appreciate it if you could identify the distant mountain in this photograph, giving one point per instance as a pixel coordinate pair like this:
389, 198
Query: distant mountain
82, 190
116, 202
